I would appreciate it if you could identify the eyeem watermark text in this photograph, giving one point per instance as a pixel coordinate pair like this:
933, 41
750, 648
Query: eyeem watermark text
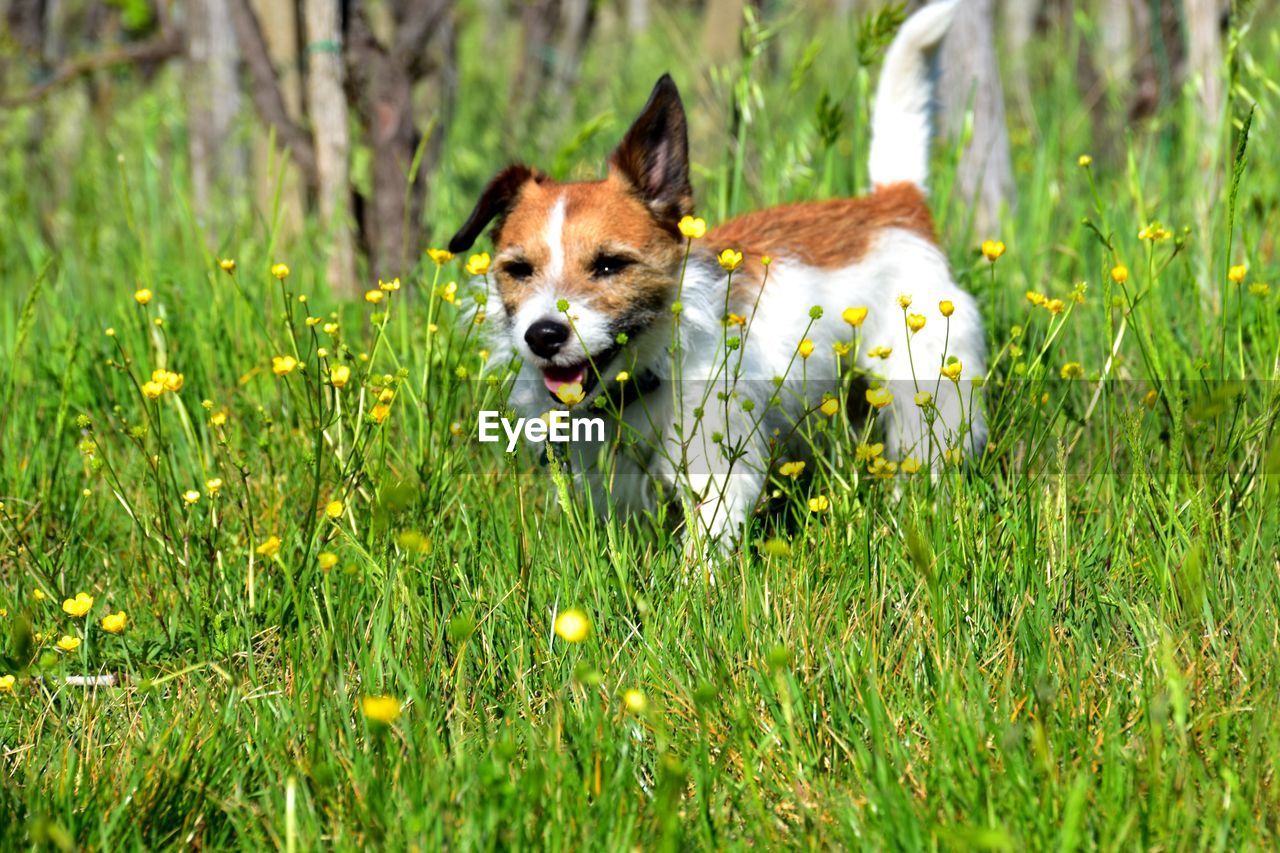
555, 426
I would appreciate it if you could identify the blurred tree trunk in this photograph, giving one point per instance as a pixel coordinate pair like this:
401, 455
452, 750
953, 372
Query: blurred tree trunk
1115, 26
970, 78
327, 105
280, 32
637, 15
555, 37
1019, 23
213, 103
1204, 20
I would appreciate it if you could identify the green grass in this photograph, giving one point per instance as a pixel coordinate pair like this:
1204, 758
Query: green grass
1071, 643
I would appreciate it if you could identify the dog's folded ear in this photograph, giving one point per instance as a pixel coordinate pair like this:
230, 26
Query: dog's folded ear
654, 154
495, 203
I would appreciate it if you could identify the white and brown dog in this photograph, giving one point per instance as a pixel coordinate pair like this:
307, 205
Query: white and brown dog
594, 285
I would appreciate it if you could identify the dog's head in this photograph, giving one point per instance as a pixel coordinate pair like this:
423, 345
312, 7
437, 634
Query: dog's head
611, 249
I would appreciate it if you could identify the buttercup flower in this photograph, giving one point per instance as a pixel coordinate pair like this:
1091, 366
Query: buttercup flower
142, 296
227, 265
572, 625
867, 452
478, 264
923, 398
152, 390
904, 301
829, 407
635, 701
879, 352
439, 256
730, 259
819, 504
334, 509
879, 397
1083, 161
373, 297
1120, 273
947, 307
693, 227
1260, 288
622, 376
280, 271
6, 683
269, 548
910, 465
1036, 298
1055, 306
213, 485
381, 709
915, 322
791, 469
952, 370
283, 365
339, 375
69, 643
114, 623
1072, 370
841, 348
218, 418
449, 293
78, 606
806, 348
326, 560
854, 316
379, 412
191, 497
1236, 273
571, 393
170, 380
992, 250
389, 286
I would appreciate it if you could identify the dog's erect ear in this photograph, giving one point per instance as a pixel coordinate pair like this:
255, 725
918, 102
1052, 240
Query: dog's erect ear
495, 203
654, 154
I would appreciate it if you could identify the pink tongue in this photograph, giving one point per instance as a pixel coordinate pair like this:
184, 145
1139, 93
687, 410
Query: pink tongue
556, 378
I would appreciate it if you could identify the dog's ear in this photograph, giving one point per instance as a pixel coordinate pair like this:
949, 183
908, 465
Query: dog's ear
654, 154
495, 203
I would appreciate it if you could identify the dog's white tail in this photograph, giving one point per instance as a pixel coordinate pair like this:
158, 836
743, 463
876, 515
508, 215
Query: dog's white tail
900, 119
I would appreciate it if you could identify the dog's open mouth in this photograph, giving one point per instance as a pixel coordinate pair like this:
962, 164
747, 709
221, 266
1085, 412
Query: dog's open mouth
561, 380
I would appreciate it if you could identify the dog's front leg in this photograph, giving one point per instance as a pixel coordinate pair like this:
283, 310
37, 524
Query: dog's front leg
721, 505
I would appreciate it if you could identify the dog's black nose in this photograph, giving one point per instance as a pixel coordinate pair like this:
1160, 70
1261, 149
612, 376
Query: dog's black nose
545, 337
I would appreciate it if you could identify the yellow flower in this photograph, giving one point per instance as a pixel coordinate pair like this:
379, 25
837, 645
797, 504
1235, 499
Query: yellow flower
142, 295
882, 469
730, 259
1120, 273
947, 307
478, 264
910, 465
879, 397
1071, 370
455, 429
280, 271
572, 625
841, 348
735, 320
879, 352
38, 594
330, 328
952, 455
693, 227
373, 297
1037, 299
152, 390
339, 375
6, 683
904, 301
1150, 398
439, 256
1055, 306
923, 398
854, 316
952, 370
570, 393
113, 623
213, 485
78, 606
829, 407
867, 452
765, 260
170, 380
312, 322
1236, 273
806, 348
283, 365
1155, 232
334, 509
915, 322
992, 250
791, 469
381, 709
227, 265
218, 418
379, 413
191, 496
449, 293
633, 699
819, 504
327, 560
269, 548
389, 286
1084, 161
1260, 288
386, 395
69, 643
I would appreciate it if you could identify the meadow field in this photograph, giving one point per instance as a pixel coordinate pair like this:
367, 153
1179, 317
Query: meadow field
339, 609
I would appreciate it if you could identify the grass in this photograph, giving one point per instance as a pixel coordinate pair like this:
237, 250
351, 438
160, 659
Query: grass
1069, 643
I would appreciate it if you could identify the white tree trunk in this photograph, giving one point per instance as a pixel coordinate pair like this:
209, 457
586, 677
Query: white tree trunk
1204, 65
280, 31
970, 77
328, 107
213, 103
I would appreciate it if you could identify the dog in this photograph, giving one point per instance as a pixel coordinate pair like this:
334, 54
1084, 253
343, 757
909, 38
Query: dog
706, 360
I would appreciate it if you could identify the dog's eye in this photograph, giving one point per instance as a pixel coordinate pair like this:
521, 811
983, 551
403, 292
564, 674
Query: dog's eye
518, 269
605, 266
